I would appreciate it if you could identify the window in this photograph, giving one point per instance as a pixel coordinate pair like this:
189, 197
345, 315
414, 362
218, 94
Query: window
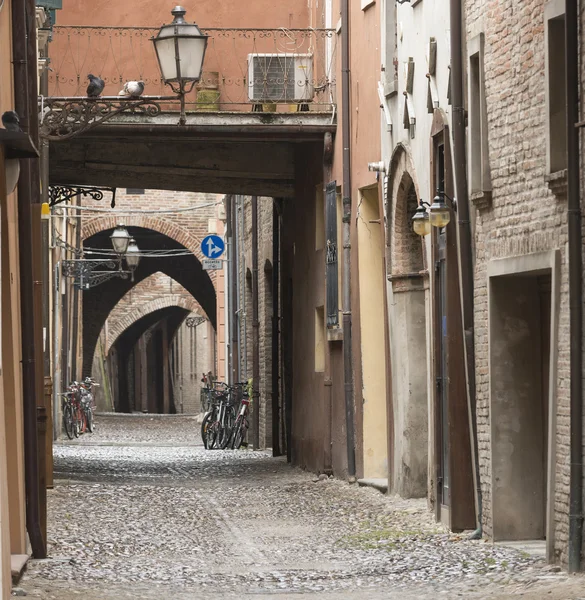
134, 191
479, 167
389, 42
555, 86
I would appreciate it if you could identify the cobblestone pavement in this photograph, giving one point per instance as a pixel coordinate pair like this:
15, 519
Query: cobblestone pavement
141, 510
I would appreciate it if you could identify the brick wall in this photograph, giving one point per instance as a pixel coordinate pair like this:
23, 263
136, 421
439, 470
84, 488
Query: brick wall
264, 305
525, 216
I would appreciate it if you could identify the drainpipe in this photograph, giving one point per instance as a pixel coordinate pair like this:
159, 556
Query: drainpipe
575, 286
275, 328
56, 362
255, 325
346, 191
22, 83
465, 242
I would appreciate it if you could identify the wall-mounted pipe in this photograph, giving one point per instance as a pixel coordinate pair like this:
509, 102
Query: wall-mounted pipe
465, 241
346, 195
255, 325
25, 83
575, 287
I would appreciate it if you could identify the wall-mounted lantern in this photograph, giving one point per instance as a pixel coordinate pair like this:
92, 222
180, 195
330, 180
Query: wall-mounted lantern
438, 214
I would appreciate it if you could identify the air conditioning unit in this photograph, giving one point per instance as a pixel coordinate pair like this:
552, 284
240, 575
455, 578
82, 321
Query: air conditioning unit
280, 77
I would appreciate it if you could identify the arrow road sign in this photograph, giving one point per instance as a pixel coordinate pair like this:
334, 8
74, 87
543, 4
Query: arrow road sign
212, 246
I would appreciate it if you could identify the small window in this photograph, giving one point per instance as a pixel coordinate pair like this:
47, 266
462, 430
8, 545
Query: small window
556, 93
320, 339
319, 218
134, 191
479, 167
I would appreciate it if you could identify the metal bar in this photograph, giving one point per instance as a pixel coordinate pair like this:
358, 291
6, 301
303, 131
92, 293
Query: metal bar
56, 364
575, 287
347, 317
255, 325
278, 30
76, 292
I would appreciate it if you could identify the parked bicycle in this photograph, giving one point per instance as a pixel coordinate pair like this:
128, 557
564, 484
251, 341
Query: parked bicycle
78, 405
222, 425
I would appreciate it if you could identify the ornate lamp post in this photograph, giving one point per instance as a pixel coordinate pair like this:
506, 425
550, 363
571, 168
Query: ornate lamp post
180, 50
84, 271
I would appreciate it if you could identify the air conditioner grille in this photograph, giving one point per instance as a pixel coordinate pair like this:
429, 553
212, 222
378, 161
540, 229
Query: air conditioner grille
274, 78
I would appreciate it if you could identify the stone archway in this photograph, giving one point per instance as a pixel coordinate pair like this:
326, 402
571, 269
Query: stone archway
407, 295
171, 229
186, 269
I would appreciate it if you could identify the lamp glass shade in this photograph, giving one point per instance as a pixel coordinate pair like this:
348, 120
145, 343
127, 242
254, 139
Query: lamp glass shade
439, 213
120, 239
420, 222
180, 49
132, 255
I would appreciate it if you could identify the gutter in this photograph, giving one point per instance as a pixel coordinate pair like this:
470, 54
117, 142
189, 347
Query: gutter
25, 86
465, 242
575, 288
346, 194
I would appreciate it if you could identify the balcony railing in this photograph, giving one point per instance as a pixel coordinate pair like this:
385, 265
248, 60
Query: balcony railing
272, 70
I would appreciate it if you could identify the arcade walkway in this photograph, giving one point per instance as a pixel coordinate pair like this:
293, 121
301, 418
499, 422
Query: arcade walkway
141, 510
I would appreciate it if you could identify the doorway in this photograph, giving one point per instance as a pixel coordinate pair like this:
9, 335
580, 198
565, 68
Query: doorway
520, 313
373, 355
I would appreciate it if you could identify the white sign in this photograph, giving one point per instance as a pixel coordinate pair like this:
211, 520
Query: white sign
210, 264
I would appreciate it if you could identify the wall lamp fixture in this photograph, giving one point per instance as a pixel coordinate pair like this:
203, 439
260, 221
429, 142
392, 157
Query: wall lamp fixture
438, 214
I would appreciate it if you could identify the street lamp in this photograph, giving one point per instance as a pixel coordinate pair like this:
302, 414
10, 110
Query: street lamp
437, 215
439, 212
420, 221
180, 50
132, 255
120, 239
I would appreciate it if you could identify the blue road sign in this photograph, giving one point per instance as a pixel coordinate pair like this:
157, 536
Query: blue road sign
212, 246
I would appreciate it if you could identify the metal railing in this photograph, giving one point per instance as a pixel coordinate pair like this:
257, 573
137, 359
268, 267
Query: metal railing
271, 70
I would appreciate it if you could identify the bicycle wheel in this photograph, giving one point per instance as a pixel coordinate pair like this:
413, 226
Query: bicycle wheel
227, 428
78, 422
239, 432
206, 431
89, 419
68, 422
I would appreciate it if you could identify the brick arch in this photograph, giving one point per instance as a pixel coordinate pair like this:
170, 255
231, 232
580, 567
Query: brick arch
142, 310
156, 223
185, 269
405, 247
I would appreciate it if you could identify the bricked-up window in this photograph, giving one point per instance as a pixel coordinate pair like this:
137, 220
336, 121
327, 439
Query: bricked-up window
331, 255
555, 88
319, 339
319, 218
479, 167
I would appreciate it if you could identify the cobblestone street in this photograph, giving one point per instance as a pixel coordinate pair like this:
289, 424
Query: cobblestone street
141, 510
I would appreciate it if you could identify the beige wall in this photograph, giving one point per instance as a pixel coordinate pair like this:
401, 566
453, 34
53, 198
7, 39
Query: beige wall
371, 290
12, 523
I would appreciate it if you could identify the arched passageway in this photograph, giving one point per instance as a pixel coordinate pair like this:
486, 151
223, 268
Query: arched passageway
186, 269
138, 363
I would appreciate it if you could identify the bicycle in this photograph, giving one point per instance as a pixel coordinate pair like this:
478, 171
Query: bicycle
242, 424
